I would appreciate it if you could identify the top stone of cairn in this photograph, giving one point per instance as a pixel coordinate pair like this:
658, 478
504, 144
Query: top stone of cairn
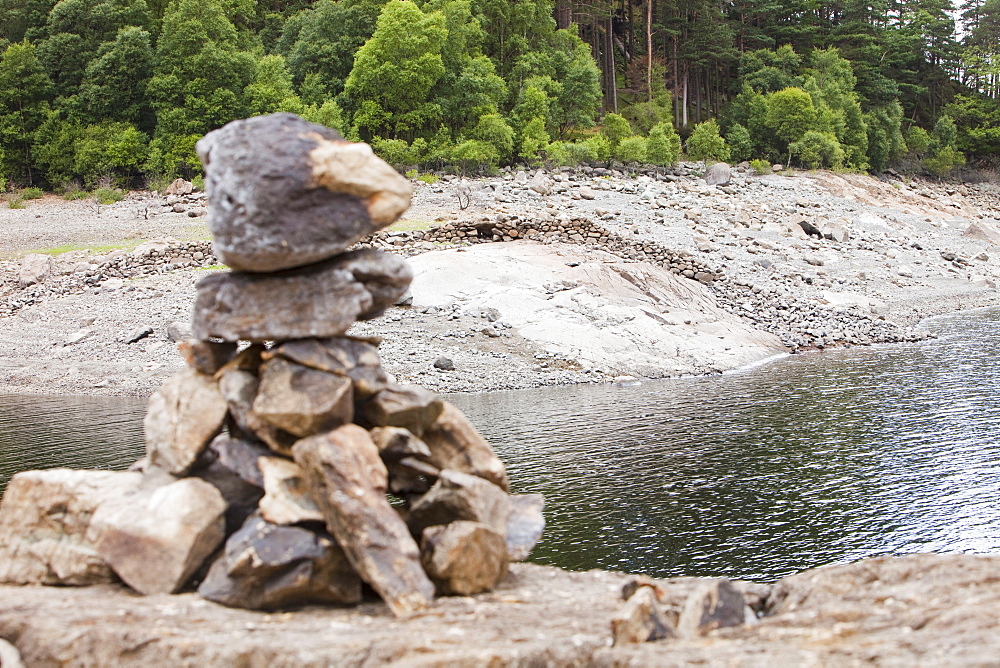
285, 193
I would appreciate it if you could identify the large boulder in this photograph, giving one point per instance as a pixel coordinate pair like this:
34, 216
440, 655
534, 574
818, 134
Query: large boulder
718, 174
320, 300
45, 525
983, 230
35, 267
284, 192
460, 496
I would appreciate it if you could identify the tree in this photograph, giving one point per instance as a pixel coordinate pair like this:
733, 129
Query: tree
615, 127
739, 142
114, 83
493, 130
663, 146
705, 143
25, 91
790, 113
818, 149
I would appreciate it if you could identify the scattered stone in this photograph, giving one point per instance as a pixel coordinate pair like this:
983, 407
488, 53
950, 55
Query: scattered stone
300, 400
180, 187
444, 363
541, 183
286, 497
35, 267
348, 481
463, 558
456, 444
266, 566
520, 177
179, 331
525, 524
587, 193
459, 496
641, 619
406, 406
718, 174
156, 540
138, 334
983, 231
320, 300
45, 525
182, 418
714, 605
197, 212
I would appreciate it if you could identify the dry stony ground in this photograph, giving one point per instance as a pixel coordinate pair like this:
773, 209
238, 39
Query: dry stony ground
906, 258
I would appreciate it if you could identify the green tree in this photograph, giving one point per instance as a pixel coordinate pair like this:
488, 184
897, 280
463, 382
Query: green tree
25, 92
705, 143
114, 83
630, 150
615, 127
818, 149
493, 130
663, 146
739, 142
533, 139
790, 113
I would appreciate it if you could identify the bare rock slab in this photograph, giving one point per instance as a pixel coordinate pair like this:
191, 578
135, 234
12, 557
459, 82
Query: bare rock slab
320, 300
460, 496
156, 540
302, 401
641, 619
524, 524
284, 192
456, 444
348, 481
182, 417
714, 605
464, 558
266, 566
45, 525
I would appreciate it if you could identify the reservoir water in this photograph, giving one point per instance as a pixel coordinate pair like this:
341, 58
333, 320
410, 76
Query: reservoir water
814, 459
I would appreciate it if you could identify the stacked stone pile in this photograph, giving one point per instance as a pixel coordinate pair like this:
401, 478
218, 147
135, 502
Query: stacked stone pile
273, 456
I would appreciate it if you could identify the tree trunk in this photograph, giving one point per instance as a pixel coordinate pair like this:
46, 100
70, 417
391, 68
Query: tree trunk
649, 50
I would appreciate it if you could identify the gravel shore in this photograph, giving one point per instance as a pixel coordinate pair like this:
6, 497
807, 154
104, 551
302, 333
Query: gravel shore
104, 318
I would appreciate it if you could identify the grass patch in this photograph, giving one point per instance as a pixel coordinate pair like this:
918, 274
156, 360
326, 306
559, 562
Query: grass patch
95, 249
15, 203
410, 225
213, 267
109, 195
31, 193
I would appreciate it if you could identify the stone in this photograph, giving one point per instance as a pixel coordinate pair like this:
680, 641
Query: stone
521, 178
239, 388
836, 231
525, 524
178, 331
983, 231
35, 267
45, 518
206, 357
156, 539
406, 406
587, 193
320, 300
285, 193
541, 183
182, 417
713, 605
240, 457
641, 619
463, 558
9, 656
718, 174
444, 363
353, 358
179, 187
406, 458
807, 226
300, 400
460, 496
286, 497
456, 444
138, 334
230, 465
348, 481
265, 566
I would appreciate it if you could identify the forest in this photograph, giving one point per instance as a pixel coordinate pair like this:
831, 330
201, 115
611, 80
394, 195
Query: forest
118, 91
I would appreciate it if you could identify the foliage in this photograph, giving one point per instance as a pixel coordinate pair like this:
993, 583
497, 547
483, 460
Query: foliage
630, 149
705, 143
818, 149
739, 142
941, 162
570, 154
615, 127
917, 139
760, 166
533, 140
32, 192
663, 146
108, 195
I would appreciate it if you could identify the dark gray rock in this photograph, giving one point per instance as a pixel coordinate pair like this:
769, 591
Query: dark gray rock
266, 566
321, 300
444, 363
407, 459
284, 192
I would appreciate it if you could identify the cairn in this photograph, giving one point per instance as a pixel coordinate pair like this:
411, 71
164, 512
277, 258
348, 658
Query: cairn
284, 466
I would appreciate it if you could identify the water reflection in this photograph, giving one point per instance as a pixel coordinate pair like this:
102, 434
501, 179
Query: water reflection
812, 460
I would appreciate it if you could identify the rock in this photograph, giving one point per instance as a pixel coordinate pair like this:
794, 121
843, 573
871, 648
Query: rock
406, 458
348, 481
178, 208
520, 177
156, 540
587, 193
286, 497
265, 566
641, 619
179, 331
463, 558
206, 357
285, 193
240, 457
138, 334
456, 444
35, 267
444, 363
406, 406
525, 524
836, 231
353, 358
182, 417
232, 469
45, 532
460, 496
713, 605
320, 300
239, 389
541, 183
806, 225
300, 400
9, 656
180, 187
718, 174
981, 230
197, 212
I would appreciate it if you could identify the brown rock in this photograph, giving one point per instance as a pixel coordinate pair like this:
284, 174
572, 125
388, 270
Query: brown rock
286, 497
179, 187
460, 496
524, 524
156, 539
230, 465
45, 518
406, 406
348, 482
714, 605
285, 193
355, 359
455, 444
300, 400
206, 356
240, 457
266, 566
239, 388
641, 620
319, 300
400, 450
182, 417
463, 558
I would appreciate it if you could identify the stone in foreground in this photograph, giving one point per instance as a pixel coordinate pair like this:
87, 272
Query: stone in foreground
460, 496
718, 174
319, 300
714, 605
641, 619
524, 524
464, 558
266, 566
239, 388
348, 482
284, 192
156, 540
286, 498
456, 444
45, 525
302, 401
183, 416
400, 450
